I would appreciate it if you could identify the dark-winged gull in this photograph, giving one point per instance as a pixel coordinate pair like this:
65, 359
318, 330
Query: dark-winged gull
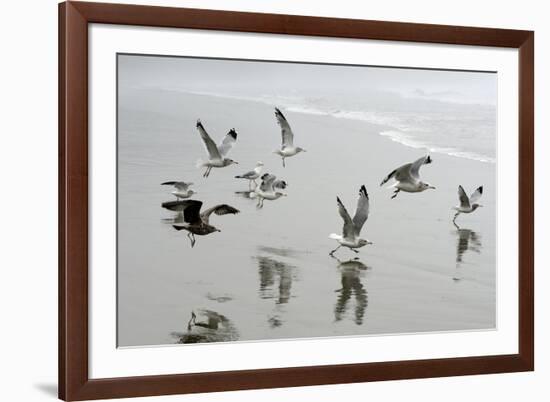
270, 189
287, 148
216, 153
182, 189
352, 227
195, 221
252, 175
407, 177
467, 204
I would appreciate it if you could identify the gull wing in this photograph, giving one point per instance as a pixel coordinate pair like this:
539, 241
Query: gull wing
415, 166
180, 185
476, 195
190, 208
402, 173
464, 200
267, 182
286, 131
227, 142
280, 184
362, 211
210, 145
221, 209
348, 231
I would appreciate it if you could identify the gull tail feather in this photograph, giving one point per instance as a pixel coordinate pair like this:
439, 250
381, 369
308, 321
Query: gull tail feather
199, 163
335, 236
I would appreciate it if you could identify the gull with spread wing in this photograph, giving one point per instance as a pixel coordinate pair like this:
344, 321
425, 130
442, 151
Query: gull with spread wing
407, 177
287, 148
194, 221
182, 189
352, 227
467, 204
216, 153
270, 189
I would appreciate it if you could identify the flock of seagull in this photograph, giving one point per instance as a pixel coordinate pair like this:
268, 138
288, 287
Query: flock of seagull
406, 178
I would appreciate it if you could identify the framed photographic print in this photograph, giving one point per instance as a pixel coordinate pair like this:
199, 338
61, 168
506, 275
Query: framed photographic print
259, 200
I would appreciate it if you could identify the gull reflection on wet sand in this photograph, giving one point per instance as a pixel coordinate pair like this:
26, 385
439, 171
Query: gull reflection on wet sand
207, 326
351, 272
276, 279
272, 271
466, 240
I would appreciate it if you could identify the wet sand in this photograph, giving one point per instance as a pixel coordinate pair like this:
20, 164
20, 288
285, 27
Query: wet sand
268, 272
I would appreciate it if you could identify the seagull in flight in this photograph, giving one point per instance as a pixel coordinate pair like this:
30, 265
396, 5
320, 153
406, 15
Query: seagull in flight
270, 189
252, 175
182, 189
287, 148
216, 153
194, 221
407, 177
467, 204
352, 227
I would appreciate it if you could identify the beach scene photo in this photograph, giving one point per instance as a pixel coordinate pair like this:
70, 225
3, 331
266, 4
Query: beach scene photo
265, 200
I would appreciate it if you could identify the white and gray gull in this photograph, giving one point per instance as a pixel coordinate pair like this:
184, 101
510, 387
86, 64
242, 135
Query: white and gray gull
252, 175
270, 189
182, 189
407, 177
287, 147
467, 204
352, 227
216, 153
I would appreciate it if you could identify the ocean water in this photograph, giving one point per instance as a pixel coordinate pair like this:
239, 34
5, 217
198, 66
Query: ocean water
438, 125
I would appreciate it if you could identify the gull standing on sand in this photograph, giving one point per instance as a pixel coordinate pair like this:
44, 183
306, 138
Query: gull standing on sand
352, 227
407, 177
182, 189
252, 175
287, 148
216, 153
467, 204
194, 221
270, 189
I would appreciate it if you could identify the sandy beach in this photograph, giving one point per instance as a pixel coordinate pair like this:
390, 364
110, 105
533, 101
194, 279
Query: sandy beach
268, 272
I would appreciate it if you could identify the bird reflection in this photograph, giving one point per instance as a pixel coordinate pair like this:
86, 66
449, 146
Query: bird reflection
351, 272
210, 326
272, 271
466, 240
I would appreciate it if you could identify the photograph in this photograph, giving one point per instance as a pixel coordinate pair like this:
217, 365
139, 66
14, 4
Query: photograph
263, 200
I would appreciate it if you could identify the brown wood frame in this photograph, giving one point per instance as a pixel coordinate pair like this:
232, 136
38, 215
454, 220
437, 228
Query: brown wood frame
74, 17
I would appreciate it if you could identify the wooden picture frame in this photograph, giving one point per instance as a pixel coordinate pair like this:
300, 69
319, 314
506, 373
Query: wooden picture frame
74, 381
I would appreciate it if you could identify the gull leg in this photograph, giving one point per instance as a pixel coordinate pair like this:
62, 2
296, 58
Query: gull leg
333, 251
283, 162
190, 238
395, 193
204, 174
354, 250
454, 220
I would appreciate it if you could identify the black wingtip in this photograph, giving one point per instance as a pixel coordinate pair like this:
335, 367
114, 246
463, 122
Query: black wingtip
199, 124
264, 176
338, 200
233, 134
480, 189
168, 183
177, 227
278, 112
428, 159
363, 190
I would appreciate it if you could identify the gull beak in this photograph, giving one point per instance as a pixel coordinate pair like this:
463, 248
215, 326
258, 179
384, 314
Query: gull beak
432, 187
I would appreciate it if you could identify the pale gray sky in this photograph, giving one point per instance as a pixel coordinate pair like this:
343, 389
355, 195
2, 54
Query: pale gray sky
273, 78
